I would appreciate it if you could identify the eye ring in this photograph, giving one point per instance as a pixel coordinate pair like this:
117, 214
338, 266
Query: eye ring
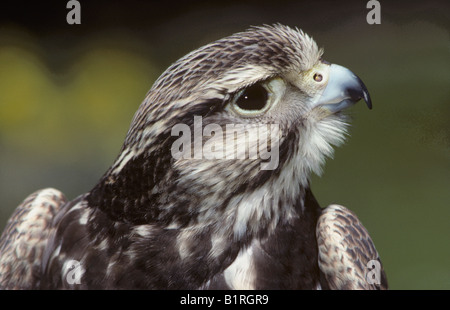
318, 77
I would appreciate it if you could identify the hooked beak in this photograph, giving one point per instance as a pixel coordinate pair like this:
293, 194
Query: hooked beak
343, 90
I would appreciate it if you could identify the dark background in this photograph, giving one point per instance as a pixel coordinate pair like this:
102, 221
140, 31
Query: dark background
68, 93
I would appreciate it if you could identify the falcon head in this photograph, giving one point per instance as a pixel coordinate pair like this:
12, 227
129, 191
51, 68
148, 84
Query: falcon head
269, 75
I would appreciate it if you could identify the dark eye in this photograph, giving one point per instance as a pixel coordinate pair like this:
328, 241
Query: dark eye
253, 98
318, 77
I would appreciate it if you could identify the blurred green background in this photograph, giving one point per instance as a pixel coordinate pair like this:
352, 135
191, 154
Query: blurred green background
69, 92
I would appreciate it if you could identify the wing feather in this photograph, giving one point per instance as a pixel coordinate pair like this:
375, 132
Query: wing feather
347, 255
25, 237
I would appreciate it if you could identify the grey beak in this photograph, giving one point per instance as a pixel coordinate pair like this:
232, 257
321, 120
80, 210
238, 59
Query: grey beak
343, 90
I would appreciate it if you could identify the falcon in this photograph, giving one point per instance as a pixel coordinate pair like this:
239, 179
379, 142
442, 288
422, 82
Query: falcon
159, 221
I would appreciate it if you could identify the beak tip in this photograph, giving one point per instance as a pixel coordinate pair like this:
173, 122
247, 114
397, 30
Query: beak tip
368, 102
365, 94
367, 99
